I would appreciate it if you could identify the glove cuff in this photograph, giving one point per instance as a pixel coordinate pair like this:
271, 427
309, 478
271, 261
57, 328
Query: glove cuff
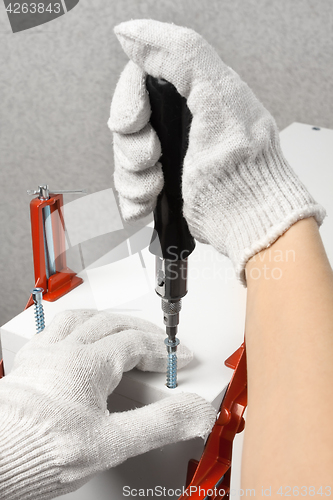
259, 201
28, 465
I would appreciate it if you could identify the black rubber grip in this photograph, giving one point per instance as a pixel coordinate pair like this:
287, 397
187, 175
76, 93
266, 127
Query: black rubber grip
171, 120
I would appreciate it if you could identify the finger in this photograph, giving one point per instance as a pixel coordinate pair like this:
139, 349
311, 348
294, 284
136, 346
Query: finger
137, 151
106, 323
132, 210
64, 323
135, 348
138, 180
173, 419
139, 187
138, 191
177, 54
123, 351
130, 108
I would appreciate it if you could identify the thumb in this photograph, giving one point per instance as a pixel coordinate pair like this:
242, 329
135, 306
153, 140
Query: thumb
176, 418
177, 54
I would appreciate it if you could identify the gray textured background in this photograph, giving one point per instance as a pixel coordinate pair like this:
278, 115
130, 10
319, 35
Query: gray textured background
57, 81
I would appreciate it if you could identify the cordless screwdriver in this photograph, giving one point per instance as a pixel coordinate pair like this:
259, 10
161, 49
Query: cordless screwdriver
172, 241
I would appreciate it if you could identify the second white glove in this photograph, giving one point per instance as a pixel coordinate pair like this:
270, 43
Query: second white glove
56, 431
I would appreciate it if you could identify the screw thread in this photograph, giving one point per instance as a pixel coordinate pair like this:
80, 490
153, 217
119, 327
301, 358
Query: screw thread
39, 317
172, 371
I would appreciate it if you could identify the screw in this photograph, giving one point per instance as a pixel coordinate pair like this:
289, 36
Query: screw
172, 362
37, 295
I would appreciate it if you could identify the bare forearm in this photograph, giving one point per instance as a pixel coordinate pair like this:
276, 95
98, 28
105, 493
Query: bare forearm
289, 338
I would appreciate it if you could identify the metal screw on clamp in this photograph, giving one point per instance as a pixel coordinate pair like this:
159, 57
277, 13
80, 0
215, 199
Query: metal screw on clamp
44, 191
37, 295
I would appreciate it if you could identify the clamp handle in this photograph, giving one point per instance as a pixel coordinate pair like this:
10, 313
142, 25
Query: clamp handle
44, 192
171, 119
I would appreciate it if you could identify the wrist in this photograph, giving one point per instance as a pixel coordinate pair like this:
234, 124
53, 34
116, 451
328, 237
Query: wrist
250, 206
28, 463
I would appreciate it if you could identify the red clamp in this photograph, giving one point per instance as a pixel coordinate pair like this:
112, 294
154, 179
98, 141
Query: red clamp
48, 244
210, 478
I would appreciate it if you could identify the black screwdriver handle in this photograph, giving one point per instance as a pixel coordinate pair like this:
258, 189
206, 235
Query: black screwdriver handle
171, 119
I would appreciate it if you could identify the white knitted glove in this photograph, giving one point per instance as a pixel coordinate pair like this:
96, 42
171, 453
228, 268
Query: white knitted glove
55, 429
239, 192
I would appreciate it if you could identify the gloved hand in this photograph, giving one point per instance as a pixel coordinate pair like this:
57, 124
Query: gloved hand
55, 429
239, 192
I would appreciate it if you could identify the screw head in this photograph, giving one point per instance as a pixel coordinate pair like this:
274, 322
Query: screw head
37, 294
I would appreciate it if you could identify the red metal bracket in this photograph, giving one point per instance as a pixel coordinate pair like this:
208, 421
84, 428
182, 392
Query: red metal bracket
211, 476
64, 279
